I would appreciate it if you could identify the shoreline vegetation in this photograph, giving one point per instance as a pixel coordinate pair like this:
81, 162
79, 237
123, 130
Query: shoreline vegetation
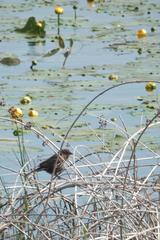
80, 79
91, 198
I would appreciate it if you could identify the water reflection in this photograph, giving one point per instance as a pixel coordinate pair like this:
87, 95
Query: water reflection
36, 47
38, 43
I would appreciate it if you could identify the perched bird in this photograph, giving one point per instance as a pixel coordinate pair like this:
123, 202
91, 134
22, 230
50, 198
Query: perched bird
55, 164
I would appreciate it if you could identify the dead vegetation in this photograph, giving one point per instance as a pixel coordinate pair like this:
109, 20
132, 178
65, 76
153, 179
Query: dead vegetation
100, 195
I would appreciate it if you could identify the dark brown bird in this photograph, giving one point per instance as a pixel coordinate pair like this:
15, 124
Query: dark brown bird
55, 164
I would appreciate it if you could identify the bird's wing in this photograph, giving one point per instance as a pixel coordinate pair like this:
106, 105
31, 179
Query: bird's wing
48, 163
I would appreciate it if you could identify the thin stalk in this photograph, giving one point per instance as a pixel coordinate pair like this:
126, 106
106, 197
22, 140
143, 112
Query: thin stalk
58, 23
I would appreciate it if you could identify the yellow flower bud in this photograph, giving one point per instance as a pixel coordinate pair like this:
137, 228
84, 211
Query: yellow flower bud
59, 10
25, 100
113, 77
32, 113
15, 112
150, 86
141, 33
39, 24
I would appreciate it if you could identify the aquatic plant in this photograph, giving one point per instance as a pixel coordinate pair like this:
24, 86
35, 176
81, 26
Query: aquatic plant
59, 11
99, 194
75, 12
33, 27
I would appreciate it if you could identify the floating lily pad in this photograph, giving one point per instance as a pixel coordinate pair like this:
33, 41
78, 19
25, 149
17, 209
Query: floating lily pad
10, 61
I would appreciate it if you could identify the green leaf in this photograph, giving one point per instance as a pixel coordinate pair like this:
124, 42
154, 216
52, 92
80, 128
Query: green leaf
61, 42
52, 52
33, 27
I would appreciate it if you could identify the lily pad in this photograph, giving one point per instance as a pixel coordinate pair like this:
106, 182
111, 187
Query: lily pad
10, 61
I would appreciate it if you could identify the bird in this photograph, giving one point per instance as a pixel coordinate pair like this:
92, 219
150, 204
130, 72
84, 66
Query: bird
54, 164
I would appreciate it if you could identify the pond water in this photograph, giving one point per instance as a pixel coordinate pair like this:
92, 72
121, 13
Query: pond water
105, 43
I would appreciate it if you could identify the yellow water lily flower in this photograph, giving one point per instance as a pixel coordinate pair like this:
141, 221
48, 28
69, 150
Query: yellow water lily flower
150, 86
39, 24
33, 113
113, 77
59, 10
15, 112
141, 33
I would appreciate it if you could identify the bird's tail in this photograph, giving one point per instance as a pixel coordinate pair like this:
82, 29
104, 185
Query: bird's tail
34, 170
37, 169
